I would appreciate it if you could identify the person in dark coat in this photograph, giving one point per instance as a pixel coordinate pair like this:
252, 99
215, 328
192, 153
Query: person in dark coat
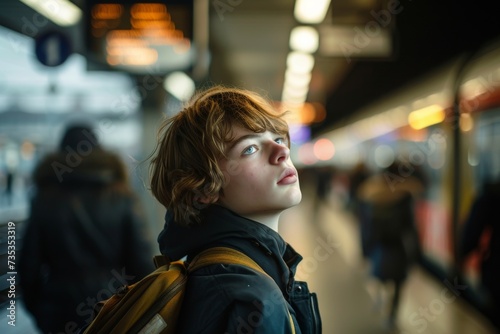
85, 236
223, 171
481, 221
391, 239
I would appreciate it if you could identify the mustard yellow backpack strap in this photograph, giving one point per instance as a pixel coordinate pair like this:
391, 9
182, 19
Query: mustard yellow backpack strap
291, 322
222, 255
225, 255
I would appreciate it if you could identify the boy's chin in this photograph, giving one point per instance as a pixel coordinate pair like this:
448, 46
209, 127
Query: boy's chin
297, 198
293, 203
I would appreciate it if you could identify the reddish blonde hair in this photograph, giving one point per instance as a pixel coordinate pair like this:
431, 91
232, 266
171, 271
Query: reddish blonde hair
185, 167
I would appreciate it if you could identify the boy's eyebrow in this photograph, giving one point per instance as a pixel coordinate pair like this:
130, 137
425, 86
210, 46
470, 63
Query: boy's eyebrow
242, 138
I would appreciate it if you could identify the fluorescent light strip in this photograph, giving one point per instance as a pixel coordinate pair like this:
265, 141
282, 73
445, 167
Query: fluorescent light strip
311, 11
304, 39
61, 12
299, 62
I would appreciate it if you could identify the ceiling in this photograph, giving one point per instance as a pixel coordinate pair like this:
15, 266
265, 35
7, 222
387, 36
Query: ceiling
249, 43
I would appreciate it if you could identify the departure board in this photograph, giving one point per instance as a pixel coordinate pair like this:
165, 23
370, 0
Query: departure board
152, 37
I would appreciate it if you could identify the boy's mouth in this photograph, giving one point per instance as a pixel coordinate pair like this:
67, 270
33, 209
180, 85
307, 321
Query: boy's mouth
288, 176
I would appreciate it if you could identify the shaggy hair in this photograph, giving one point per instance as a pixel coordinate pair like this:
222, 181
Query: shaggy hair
185, 168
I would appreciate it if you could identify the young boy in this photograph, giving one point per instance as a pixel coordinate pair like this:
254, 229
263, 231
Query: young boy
222, 169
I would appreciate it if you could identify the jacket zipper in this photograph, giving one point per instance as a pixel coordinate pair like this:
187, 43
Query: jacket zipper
314, 310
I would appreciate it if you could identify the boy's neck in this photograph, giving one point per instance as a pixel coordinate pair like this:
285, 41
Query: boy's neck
270, 221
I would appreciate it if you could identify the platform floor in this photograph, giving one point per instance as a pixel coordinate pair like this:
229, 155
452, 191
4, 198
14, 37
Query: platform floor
326, 235
352, 302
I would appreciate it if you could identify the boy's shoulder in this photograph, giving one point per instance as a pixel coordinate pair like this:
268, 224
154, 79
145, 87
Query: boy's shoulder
233, 280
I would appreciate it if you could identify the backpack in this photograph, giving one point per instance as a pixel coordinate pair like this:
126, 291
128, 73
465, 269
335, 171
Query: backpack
152, 305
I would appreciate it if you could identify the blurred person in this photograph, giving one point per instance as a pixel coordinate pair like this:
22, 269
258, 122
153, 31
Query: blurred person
480, 223
85, 235
356, 177
9, 185
324, 176
390, 238
222, 169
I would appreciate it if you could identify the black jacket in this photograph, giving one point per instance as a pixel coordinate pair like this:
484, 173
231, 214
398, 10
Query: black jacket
68, 262
235, 299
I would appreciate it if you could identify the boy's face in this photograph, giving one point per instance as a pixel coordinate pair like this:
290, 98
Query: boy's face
260, 177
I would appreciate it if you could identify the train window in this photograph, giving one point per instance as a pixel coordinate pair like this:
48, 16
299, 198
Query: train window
487, 147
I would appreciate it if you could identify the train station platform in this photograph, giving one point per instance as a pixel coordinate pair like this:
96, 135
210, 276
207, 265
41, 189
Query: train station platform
327, 237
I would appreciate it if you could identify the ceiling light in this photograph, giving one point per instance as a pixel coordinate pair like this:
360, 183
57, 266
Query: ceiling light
61, 12
311, 11
297, 79
180, 85
304, 39
299, 62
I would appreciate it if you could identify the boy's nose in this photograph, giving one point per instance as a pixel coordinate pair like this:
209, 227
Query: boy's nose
280, 153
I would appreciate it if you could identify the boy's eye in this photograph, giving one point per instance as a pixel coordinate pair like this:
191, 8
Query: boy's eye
250, 150
280, 140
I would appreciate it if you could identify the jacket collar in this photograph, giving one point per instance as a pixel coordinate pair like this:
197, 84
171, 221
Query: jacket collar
217, 224
220, 226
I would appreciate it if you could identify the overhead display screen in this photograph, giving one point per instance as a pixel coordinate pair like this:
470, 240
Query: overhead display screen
152, 37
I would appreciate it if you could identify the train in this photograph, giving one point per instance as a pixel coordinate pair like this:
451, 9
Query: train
445, 126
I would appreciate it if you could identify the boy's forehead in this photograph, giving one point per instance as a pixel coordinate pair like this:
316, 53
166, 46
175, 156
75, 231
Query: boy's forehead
239, 133
238, 130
